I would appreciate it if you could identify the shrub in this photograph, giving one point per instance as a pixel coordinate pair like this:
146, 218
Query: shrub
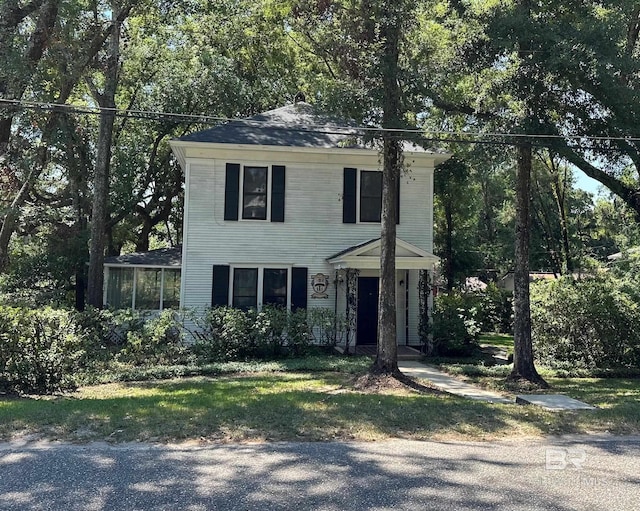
591, 323
495, 310
226, 333
156, 339
40, 350
219, 333
326, 328
455, 325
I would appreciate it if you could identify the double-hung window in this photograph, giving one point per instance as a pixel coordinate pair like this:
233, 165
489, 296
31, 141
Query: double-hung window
254, 192
252, 287
245, 288
362, 197
370, 196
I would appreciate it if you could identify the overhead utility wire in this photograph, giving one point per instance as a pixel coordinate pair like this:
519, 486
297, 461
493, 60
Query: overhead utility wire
329, 130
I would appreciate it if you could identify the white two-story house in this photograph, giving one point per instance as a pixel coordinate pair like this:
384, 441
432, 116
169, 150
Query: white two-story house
284, 208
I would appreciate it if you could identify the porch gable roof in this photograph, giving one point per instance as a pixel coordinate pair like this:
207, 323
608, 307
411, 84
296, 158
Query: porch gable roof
366, 255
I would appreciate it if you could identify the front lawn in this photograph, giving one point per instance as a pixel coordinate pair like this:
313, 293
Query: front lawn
326, 405
504, 341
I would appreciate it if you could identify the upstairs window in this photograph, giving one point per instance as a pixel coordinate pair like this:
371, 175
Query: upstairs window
370, 196
254, 193
362, 197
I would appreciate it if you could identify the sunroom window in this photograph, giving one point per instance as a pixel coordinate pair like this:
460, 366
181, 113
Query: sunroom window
120, 288
143, 288
148, 285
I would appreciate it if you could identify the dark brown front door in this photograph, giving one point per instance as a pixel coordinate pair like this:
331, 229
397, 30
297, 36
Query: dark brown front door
367, 318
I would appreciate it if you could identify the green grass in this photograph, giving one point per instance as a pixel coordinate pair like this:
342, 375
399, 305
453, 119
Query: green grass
301, 406
498, 340
617, 399
118, 372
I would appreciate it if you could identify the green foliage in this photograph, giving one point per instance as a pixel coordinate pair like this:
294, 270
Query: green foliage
40, 350
156, 340
590, 323
455, 324
495, 309
326, 327
227, 333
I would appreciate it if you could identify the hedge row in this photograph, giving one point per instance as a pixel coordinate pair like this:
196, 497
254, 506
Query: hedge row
43, 350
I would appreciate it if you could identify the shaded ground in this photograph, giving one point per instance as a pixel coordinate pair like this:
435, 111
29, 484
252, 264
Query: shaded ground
579, 474
302, 406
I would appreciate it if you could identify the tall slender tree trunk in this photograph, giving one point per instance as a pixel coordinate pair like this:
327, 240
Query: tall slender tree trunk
95, 281
523, 366
387, 353
559, 189
448, 245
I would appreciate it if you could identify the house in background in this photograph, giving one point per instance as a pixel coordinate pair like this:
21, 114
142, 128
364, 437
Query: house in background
507, 282
633, 251
284, 208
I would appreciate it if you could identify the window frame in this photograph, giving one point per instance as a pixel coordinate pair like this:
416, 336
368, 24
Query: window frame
359, 197
268, 192
361, 172
260, 286
134, 288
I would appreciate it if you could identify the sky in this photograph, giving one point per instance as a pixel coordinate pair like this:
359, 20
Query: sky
586, 183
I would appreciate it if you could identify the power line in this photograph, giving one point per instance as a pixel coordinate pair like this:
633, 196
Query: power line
311, 128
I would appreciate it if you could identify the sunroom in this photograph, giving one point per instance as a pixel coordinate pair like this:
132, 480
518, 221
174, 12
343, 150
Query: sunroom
148, 281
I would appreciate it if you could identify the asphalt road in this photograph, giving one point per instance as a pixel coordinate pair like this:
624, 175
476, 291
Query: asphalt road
580, 473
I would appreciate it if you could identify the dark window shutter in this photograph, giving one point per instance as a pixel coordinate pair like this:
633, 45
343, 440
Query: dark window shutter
398, 202
299, 278
349, 196
277, 193
220, 288
231, 191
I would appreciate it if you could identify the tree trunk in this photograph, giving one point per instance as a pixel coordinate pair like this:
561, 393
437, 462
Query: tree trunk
560, 188
95, 281
448, 249
387, 353
523, 366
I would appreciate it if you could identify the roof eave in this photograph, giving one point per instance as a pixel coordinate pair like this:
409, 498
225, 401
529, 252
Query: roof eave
180, 148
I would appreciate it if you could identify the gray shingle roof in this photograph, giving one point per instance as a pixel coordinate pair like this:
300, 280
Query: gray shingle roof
354, 247
297, 125
292, 125
160, 257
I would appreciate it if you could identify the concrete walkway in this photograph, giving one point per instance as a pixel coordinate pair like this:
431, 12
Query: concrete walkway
449, 384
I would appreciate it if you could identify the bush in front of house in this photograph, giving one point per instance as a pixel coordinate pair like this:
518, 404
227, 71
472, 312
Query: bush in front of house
156, 339
40, 350
227, 333
47, 350
592, 323
455, 325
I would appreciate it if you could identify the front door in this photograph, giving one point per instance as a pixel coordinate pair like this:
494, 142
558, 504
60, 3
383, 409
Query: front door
367, 324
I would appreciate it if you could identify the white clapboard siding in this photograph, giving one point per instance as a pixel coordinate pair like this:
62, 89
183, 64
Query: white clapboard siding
313, 228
